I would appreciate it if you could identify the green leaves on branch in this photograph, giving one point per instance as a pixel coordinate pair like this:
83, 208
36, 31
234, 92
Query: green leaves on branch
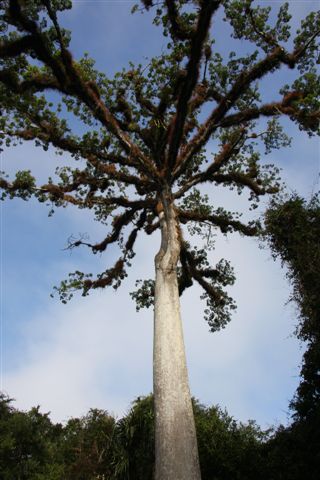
306, 38
144, 295
275, 137
194, 265
251, 23
85, 281
23, 186
306, 105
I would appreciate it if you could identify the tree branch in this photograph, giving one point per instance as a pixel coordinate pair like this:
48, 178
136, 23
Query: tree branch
37, 83
267, 38
225, 223
189, 265
228, 150
192, 72
62, 193
178, 31
48, 133
272, 61
272, 109
14, 48
119, 223
243, 180
71, 81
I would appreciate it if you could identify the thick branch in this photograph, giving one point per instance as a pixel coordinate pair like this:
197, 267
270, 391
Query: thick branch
212, 292
40, 42
114, 174
152, 227
38, 83
243, 180
192, 72
190, 270
70, 80
178, 30
273, 109
204, 93
119, 223
16, 47
225, 223
48, 133
185, 279
133, 235
106, 278
62, 193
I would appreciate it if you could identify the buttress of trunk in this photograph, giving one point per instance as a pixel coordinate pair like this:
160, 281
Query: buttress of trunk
175, 435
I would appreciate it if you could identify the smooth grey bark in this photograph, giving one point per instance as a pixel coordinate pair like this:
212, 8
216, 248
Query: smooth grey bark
175, 435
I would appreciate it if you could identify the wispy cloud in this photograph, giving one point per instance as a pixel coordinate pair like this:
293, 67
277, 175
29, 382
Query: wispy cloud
87, 354
98, 352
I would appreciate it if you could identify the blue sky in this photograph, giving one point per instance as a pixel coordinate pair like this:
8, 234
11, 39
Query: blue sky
97, 351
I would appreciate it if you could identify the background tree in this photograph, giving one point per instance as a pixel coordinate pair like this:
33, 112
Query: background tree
29, 444
292, 231
87, 446
99, 447
134, 455
143, 154
227, 449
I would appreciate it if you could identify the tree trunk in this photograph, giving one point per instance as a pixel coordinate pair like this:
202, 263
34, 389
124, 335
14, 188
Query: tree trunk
175, 435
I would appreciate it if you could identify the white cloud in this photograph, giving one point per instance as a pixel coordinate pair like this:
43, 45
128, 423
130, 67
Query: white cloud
90, 353
249, 366
98, 352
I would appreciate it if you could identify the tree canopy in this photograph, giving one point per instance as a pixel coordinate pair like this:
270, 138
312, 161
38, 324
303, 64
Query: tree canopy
142, 135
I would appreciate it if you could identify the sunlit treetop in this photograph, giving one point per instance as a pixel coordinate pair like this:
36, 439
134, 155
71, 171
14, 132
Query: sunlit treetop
151, 135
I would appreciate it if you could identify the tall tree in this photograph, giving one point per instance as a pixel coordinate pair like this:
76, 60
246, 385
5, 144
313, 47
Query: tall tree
87, 446
144, 154
29, 444
293, 231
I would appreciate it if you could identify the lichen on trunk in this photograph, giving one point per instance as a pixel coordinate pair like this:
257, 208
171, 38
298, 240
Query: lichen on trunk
176, 442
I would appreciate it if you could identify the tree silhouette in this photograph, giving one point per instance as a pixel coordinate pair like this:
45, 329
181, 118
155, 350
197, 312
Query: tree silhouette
144, 154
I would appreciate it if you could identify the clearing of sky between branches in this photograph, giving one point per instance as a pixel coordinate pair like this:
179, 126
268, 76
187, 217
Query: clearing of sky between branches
154, 134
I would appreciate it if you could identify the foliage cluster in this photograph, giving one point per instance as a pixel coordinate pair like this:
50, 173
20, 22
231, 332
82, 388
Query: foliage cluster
99, 447
292, 232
